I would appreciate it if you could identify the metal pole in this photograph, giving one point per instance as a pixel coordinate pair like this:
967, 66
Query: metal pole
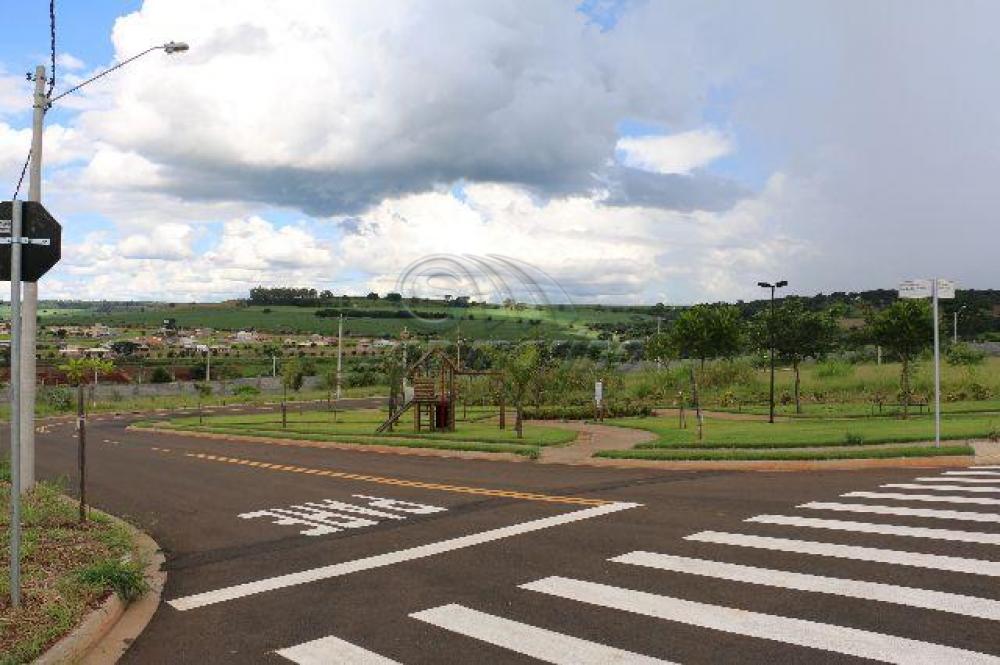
15, 405
29, 307
937, 369
770, 417
340, 352
208, 365
954, 338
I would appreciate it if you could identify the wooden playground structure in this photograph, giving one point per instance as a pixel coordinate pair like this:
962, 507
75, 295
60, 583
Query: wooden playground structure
434, 393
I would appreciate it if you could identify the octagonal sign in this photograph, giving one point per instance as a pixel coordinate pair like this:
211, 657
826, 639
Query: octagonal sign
36, 224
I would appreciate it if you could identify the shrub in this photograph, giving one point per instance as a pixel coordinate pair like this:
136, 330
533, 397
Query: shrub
586, 412
962, 354
830, 369
854, 438
160, 375
60, 399
246, 390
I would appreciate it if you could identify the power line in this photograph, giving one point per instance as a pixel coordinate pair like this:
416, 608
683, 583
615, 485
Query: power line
52, 49
24, 169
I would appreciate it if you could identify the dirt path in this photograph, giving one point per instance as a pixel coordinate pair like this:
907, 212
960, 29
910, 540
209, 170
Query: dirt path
717, 415
591, 438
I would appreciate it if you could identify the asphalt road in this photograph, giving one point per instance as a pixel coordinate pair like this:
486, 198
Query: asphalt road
281, 554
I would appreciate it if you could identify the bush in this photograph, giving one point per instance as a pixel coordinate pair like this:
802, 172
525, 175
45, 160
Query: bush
246, 391
962, 354
614, 410
160, 375
60, 399
830, 369
854, 438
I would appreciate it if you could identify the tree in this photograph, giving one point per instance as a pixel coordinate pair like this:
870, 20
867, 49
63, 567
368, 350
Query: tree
797, 334
79, 371
904, 328
123, 347
708, 331
661, 347
395, 371
394, 297
292, 375
160, 375
518, 367
372, 295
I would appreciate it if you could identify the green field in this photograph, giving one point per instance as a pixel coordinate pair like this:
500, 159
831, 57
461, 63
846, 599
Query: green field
804, 438
480, 432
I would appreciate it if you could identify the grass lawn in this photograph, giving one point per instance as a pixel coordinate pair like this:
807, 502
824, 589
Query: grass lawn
865, 410
66, 569
804, 438
479, 433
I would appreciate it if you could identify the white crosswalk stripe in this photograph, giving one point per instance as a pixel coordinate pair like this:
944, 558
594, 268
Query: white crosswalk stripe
882, 529
944, 488
855, 552
332, 651
539, 643
827, 637
983, 608
960, 515
971, 473
953, 479
932, 498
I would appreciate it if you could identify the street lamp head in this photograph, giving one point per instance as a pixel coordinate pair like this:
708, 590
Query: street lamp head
782, 283
764, 285
175, 47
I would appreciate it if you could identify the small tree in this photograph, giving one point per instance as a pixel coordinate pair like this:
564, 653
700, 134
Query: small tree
518, 367
708, 331
394, 370
661, 347
79, 371
904, 328
797, 334
292, 375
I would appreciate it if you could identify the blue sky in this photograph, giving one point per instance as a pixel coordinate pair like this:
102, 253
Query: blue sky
638, 151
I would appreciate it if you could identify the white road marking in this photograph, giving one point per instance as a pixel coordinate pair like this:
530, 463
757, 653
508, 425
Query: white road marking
984, 467
856, 552
539, 643
939, 498
960, 515
332, 651
390, 558
983, 608
971, 473
881, 529
948, 488
952, 479
812, 634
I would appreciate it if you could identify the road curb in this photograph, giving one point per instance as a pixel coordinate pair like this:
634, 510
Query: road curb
333, 445
779, 465
104, 634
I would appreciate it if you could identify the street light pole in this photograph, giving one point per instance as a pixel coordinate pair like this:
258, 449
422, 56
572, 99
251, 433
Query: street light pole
954, 338
29, 306
770, 329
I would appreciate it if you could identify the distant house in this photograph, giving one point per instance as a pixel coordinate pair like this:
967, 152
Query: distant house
97, 352
246, 336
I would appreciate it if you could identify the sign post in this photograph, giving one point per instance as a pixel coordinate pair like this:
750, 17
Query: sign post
13, 225
30, 244
935, 289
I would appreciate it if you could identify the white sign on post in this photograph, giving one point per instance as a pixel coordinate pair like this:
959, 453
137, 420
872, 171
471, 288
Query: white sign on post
915, 288
935, 289
599, 392
945, 289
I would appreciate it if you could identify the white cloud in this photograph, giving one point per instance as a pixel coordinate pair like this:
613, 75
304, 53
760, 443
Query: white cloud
674, 153
69, 61
167, 241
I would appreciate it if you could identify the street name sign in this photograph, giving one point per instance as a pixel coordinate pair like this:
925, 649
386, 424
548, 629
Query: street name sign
915, 288
41, 241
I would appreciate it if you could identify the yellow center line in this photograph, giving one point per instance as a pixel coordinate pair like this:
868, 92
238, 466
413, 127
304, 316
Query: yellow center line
483, 491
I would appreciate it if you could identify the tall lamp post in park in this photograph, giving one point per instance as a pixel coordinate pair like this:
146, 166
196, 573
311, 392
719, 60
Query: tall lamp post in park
29, 309
770, 329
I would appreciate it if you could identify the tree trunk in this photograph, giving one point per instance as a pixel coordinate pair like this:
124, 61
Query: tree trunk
798, 384
697, 404
904, 384
81, 424
519, 421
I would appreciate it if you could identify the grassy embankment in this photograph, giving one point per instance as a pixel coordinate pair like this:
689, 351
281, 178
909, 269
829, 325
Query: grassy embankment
806, 439
479, 432
67, 568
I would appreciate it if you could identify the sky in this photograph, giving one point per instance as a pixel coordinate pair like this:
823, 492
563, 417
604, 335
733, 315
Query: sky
613, 151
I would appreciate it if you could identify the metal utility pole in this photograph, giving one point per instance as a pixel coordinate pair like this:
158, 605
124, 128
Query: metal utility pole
208, 365
340, 352
29, 307
15, 405
770, 326
937, 366
954, 338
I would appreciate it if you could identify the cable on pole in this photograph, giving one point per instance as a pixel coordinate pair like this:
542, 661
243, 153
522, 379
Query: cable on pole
52, 49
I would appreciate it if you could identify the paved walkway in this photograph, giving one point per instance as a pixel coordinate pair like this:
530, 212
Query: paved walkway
987, 452
592, 437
